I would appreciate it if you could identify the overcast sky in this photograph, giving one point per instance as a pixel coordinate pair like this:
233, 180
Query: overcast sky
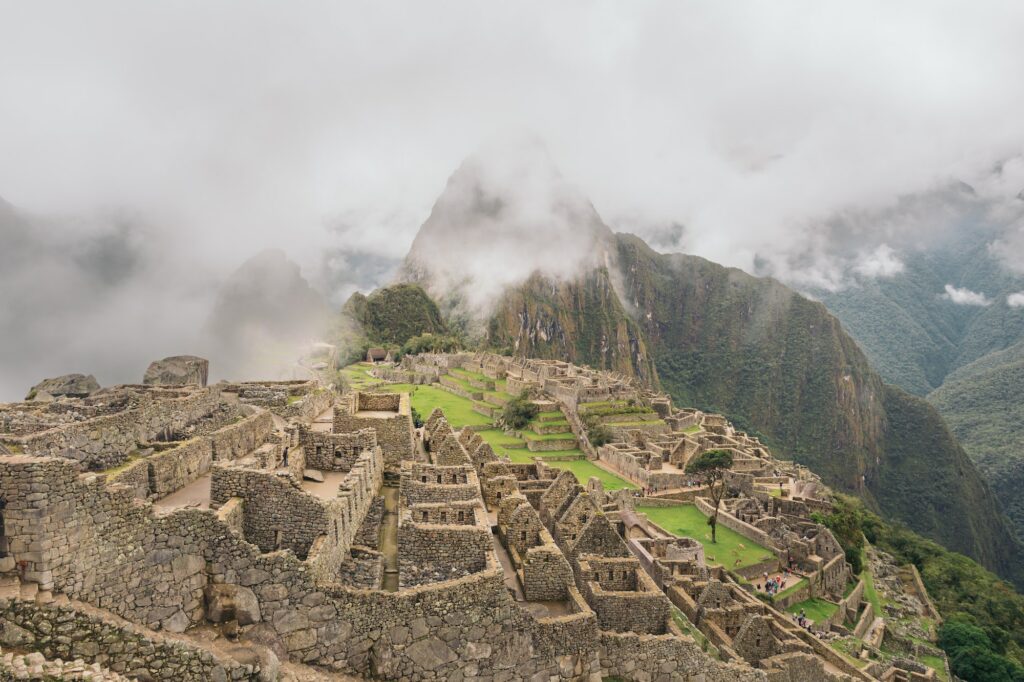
328, 128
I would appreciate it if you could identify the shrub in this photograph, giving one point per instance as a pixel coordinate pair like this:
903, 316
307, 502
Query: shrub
519, 412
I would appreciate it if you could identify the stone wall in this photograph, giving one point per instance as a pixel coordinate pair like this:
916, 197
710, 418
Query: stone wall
135, 476
731, 522
175, 468
429, 552
395, 435
633, 656
115, 644
279, 514
334, 451
108, 440
424, 483
232, 515
239, 439
546, 575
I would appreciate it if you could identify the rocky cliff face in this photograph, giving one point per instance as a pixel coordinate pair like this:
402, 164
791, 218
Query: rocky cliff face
581, 320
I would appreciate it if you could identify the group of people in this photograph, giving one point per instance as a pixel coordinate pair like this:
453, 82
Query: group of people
774, 585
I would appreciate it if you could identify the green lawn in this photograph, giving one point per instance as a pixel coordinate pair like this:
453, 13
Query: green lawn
523, 456
799, 584
870, 593
935, 663
816, 609
732, 549
466, 374
425, 398
584, 469
692, 429
357, 376
529, 435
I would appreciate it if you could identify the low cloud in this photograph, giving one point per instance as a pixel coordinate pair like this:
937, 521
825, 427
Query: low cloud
882, 262
965, 296
1015, 300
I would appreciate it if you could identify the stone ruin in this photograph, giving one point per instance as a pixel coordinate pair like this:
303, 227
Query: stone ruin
215, 533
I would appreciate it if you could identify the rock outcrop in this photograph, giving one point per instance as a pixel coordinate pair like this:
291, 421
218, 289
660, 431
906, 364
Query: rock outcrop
72, 385
176, 370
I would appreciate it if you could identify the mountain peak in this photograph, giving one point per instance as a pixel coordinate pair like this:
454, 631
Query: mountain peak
505, 214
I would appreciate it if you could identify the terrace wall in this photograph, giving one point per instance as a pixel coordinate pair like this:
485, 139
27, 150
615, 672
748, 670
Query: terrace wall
88, 635
175, 468
238, 440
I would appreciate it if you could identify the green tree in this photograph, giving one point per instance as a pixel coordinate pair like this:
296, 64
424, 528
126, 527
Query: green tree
519, 411
712, 465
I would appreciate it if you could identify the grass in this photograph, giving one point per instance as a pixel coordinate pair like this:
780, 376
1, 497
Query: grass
935, 663
692, 429
870, 593
799, 584
732, 549
425, 398
818, 610
643, 422
686, 626
523, 456
132, 459
568, 435
466, 374
357, 376
584, 469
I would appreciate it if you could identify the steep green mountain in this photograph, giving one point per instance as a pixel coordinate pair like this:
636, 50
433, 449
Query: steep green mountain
394, 314
779, 365
983, 404
966, 358
910, 329
579, 320
775, 362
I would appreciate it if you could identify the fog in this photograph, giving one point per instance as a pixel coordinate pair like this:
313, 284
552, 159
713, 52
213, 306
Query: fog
149, 149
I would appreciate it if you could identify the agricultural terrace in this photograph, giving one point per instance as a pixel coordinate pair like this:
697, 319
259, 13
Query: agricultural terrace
480, 412
732, 549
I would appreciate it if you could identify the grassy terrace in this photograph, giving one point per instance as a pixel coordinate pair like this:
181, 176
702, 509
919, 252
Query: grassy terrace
425, 398
732, 549
584, 469
530, 435
459, 412
358, 377
816, 609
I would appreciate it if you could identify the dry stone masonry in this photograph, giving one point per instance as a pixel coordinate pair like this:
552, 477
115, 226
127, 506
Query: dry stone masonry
174, 531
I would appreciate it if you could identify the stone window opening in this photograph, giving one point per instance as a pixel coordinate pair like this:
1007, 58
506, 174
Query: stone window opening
462, 516
424, 513
439, 478
583, 518
444, 517
319, 450
523, 536
423, 479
